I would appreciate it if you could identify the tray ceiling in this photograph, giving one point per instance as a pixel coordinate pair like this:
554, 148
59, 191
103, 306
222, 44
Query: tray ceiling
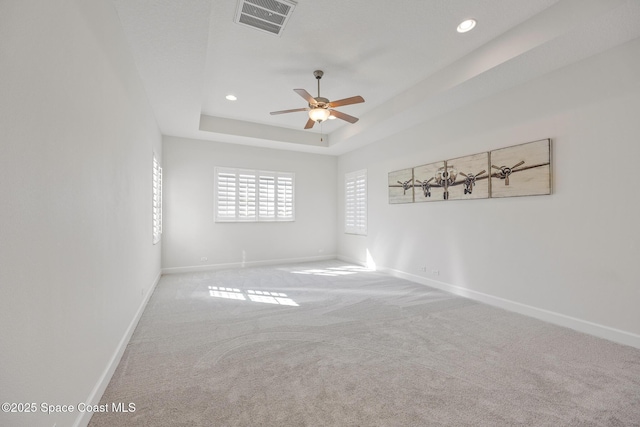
405, 58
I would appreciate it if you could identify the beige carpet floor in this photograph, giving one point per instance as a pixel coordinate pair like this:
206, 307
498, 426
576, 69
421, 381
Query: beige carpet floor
329, 344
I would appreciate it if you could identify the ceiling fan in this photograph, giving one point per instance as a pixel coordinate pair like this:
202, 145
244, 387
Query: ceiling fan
320, 109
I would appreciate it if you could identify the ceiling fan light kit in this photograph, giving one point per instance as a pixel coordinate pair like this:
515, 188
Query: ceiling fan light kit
319, 114
320, 109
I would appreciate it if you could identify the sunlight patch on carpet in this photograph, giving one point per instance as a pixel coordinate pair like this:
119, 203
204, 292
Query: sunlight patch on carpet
254, 296
332, 271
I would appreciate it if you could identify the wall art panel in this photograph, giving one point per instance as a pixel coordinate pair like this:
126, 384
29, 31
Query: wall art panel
521, 170
401, 186
425, 185
468, 177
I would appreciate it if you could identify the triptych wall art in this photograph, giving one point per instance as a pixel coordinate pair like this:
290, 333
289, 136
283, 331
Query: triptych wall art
520, 170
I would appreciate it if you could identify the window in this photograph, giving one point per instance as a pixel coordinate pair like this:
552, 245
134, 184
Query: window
355, 212
253, 195
157, 200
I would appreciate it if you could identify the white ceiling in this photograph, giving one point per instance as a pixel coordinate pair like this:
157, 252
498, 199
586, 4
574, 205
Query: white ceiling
404, 57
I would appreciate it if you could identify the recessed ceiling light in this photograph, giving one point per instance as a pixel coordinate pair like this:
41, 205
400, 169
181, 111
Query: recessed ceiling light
466, 25
231, 97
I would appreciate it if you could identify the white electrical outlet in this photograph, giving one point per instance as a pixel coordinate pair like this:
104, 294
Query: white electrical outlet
423, 269
204, 258
435, 272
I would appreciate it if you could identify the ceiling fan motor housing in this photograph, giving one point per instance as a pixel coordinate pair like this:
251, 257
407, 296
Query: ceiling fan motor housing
320, 102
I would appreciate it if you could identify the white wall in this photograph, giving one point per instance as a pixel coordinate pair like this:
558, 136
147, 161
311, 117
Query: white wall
572, 257
190, 233
76, 253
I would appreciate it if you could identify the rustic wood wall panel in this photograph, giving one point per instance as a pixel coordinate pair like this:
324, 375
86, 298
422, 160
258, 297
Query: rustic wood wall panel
426, 189
521, 170
470, 177
401, 186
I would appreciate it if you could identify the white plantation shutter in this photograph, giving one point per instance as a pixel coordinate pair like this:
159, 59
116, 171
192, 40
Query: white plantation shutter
246, 196
285, 196
350, 204
267, 197
156, 200
355, 190
226, 195
252, 195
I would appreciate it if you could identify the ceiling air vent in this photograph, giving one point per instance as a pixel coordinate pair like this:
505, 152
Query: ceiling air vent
269, 16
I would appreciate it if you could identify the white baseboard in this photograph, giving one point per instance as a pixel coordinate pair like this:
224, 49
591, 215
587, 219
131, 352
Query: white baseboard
601, 331
96, 394
208, 267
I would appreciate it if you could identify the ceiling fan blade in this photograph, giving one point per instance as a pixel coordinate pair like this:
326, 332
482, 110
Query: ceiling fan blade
343, 116
288, 111
306, 95
309, 124
346, 101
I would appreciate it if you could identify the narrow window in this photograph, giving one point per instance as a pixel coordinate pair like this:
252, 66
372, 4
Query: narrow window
355, 190
157, 200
